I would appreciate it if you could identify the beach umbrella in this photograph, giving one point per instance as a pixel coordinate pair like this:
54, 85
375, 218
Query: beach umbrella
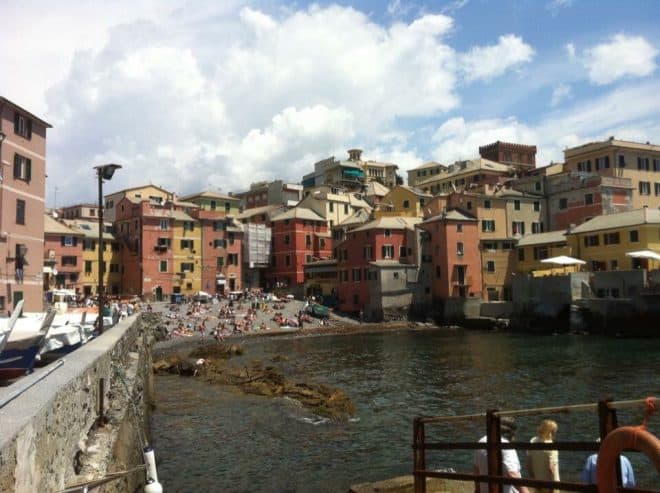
648, 254
563, 260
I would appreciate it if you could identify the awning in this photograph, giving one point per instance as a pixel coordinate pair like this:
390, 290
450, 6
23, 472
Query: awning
353, 173
563, 260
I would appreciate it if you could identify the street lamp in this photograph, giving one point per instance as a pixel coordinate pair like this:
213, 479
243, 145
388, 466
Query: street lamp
103, 172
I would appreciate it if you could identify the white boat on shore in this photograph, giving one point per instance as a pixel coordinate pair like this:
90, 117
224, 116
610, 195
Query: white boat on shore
26, 340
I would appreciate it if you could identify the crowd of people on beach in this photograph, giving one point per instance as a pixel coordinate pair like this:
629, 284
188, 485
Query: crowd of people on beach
541, 464
218, 318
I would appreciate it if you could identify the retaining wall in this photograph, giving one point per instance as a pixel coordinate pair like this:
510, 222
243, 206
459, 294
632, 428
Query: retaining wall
51, 437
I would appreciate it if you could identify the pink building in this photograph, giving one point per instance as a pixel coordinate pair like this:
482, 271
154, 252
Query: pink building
454, 246
22, 192
299, 235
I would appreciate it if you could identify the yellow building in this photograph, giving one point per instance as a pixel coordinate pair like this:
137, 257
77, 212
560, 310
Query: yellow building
604, 241
533, 248
186, 253
403, 200
636, 161
112, 263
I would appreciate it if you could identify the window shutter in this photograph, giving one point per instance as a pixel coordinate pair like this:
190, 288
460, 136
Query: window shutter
17, 166
75, 241
29, 129
28, 169
62, 240
16, 122
607, 161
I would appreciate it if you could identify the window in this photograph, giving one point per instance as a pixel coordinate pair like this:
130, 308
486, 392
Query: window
459, 249
540, 252
537, 185
356, 274
164, 224
521, 254
69, 260
22, 126
656, 165
219, 226
286, 239
563, 203
588, 199
402, 251
611, 238
488, 225
232, 259
287, 260
68, 241
187, 267
331, 206
518, 227
88, 266
22, 168
187, 244
20, 211
644, 188
388, 251
188, 226
614, 265
437, 272
163, 243
643, 163
537, 228
162, 267
469, 205
584, 166
490, 266
657, 189
308, 241
537, 206
507, 245
486, 204
603, 162
219, 243
345, 208
490, 245
388, 232
633, 236
516, 205
220, 262
622, 161
406, 204
592, 240
227, 207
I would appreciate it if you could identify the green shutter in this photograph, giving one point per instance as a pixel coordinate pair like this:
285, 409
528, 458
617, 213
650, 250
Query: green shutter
28, 169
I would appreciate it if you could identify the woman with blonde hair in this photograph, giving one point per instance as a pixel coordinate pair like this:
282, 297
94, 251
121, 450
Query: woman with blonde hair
544, 464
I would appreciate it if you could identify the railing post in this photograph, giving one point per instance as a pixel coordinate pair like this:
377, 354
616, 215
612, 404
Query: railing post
607, 421
493, 438
419, 456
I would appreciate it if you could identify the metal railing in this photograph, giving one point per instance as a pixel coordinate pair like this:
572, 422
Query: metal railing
607, 418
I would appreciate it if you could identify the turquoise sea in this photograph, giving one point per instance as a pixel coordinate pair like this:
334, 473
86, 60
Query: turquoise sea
213, 438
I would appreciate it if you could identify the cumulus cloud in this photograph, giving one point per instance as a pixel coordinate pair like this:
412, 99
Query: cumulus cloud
487, 62
622, 56
555, 6
282, 93
570, 50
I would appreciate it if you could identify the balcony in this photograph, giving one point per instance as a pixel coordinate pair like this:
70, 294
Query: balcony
466, 281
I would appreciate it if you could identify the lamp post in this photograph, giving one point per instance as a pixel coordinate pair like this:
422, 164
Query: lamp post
103, 172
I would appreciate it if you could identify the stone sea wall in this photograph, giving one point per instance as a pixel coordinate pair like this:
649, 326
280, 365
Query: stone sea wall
54, 435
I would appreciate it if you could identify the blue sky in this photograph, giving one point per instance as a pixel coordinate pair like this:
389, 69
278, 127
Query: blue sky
211, 95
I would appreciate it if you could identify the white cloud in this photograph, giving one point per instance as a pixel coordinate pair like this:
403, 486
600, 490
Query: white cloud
554, 6
182, 103
570, 50
560, 93
487, 62
622, 56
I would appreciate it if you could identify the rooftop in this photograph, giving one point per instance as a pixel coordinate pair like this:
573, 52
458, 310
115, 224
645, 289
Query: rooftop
620, 220
543, 238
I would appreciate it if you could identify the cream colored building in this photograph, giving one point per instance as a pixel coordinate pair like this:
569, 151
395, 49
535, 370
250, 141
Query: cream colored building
333, 207
424, 172
466, 175
618, 158
152, 193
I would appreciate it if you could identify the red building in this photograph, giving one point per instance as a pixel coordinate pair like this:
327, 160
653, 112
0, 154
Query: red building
299, 235
146, 231
453, 242
386, 239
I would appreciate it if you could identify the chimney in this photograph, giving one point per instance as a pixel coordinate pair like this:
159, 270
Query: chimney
354, 154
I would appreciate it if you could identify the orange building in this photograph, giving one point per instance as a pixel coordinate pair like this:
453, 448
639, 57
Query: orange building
22, 192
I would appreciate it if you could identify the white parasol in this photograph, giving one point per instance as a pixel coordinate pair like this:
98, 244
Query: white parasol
644, 254
563, 260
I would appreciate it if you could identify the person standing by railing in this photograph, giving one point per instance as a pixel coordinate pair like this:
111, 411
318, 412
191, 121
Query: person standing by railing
544, 464
510, 462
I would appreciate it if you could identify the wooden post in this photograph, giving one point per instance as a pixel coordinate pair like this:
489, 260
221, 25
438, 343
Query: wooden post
493, 439
607, 421
419, 456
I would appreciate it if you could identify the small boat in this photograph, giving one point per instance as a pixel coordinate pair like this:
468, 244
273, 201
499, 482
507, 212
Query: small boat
5, 331
24, 344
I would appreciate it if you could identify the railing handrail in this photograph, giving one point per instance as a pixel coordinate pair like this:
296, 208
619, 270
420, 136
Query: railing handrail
605, 409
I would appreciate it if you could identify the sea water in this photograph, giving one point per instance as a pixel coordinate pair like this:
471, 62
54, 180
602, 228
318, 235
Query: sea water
215, 438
